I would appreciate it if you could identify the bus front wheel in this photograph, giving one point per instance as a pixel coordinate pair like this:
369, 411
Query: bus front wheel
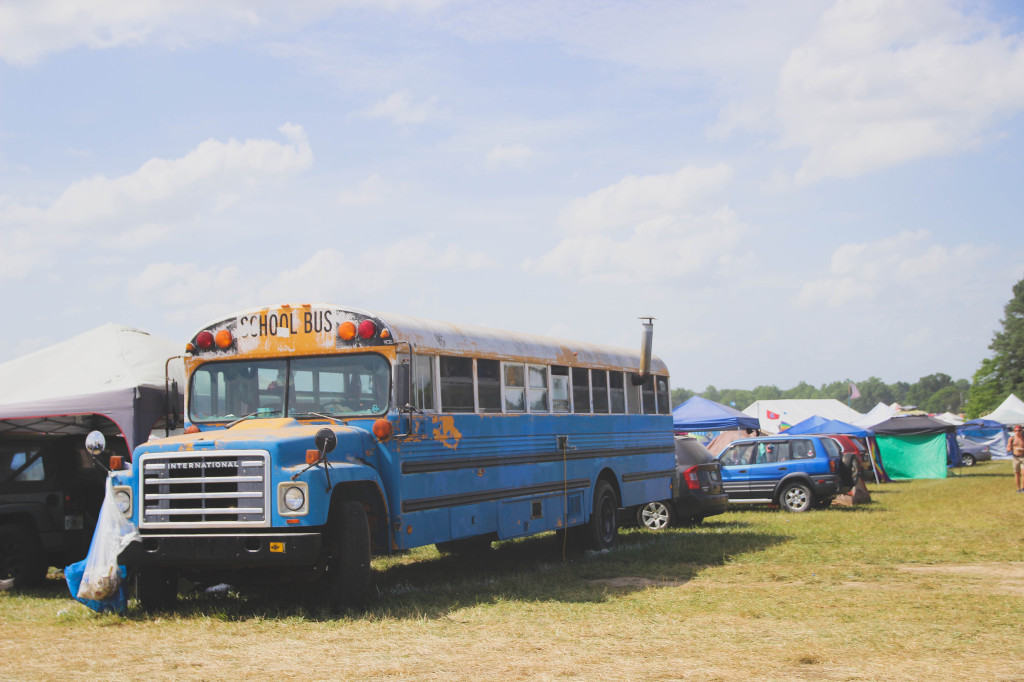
348, 565
604, 519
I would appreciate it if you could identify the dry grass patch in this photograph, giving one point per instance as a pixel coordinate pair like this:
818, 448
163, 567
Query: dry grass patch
924, 583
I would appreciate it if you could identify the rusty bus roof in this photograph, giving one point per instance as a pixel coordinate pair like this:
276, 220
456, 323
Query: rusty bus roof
448, 338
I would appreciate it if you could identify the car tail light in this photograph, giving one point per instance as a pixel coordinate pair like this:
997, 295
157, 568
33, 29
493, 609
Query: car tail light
692, 480
832, 465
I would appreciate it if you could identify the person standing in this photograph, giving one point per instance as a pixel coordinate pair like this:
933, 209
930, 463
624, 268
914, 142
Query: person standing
1015, 446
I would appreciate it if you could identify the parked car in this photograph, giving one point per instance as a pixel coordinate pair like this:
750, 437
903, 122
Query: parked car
696, 492
795, 472
855, 454
972, 452
50, 497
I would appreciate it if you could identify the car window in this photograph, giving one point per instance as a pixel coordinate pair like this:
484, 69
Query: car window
771, 452
21, 464
832, 447
803, 449
738, 454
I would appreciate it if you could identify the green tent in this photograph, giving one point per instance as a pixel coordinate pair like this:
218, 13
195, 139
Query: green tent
914, 446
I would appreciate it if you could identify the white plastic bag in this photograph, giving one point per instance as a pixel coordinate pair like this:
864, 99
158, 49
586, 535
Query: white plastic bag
113, 533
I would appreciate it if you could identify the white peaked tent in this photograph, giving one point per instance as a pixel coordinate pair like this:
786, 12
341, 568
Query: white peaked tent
112, 371
776, 415
949, 418
1011, 412
878, 414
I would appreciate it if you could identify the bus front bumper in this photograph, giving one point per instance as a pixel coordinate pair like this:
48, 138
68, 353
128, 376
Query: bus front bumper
224, 551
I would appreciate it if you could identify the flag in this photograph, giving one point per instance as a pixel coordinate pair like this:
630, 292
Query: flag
854, 393
771, 415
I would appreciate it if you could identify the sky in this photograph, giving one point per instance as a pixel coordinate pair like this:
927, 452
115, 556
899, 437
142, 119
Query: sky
797, 191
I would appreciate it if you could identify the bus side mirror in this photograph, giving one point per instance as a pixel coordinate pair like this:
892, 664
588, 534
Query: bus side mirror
402, 396
325, 441
95, 443
173, 400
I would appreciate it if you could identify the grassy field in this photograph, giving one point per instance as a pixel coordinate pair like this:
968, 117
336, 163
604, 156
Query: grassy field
925, 582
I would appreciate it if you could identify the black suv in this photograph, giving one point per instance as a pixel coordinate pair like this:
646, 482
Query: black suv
696, 490
50, 497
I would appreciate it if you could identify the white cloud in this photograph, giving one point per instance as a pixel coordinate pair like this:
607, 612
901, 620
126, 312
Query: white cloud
328, 275
905, 267
369, 191
882, 83
647, 229
31, 30
401, 110
638, 199
512, 155
138, 209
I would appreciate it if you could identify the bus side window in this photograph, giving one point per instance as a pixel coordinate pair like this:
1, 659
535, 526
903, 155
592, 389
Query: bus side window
618, 392
456, 384
538, 393
559, 389
580, 390
488, 385
422, 383
599, 381
515, 387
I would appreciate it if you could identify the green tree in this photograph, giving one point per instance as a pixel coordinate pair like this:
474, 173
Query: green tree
681, 395
1003, 373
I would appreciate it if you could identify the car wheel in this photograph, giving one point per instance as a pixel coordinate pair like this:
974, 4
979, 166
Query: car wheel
796, 497
655, 515
21, 557
967, 459
348, 564
156, 587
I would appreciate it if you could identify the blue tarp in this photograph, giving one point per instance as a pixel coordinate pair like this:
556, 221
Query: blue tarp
700, 414
821, 425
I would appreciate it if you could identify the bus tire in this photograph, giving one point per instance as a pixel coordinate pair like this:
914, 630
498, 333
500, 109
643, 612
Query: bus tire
156, 587
601, 529
348, 564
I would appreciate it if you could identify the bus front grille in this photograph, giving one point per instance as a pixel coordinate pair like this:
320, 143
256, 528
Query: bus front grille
222, 489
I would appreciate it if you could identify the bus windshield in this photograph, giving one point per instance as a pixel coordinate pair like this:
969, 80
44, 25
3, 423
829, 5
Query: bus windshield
338, 385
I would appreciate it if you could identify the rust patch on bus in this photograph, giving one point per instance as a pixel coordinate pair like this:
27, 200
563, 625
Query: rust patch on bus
445, 431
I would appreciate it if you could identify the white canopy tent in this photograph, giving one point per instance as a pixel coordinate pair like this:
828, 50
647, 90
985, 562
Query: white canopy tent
112, 371
878, 414
776, 415
1010, 413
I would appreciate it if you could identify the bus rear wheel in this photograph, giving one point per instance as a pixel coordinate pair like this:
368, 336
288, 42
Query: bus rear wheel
348, 564
600, 531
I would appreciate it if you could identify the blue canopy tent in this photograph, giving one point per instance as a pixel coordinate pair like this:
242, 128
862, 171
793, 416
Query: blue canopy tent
822, 425
987, 432
701, 414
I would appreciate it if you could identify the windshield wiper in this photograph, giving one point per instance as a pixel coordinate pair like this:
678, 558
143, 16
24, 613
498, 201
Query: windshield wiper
340, 420
263, 411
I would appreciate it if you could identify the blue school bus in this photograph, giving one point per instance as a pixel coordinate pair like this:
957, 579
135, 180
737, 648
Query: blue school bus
318, 436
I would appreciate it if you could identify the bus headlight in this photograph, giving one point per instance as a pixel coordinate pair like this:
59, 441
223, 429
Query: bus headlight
292, 499
123, 500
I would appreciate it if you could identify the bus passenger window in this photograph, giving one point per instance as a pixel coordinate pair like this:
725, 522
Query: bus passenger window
559, 389
515, 388
647, 395
632, 395
423, 381
599, 380
488, 385
580, 390
456, 384
538, 388
661, 384
618, 392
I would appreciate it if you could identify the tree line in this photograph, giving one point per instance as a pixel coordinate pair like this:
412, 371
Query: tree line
935, 393
996, 378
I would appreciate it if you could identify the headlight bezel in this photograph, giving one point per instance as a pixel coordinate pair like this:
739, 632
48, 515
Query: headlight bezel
286, 495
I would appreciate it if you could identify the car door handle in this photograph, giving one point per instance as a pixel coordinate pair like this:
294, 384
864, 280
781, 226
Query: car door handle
742, 471
782, 468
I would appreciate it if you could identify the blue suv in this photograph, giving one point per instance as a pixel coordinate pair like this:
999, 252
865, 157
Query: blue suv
795, 472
